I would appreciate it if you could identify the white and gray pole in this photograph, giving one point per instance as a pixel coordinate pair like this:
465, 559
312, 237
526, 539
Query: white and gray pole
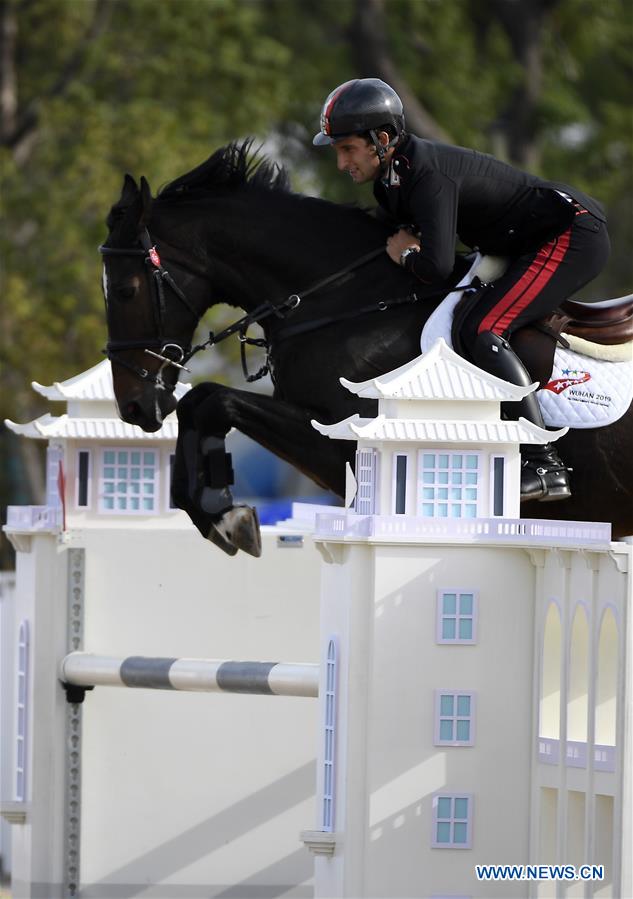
82, 670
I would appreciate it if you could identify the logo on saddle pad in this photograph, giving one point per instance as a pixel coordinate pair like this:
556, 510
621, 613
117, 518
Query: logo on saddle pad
573, 377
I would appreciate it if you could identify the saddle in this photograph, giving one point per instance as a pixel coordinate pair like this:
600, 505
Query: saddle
608, 323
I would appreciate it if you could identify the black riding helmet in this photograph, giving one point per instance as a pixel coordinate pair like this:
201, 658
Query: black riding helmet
357, 106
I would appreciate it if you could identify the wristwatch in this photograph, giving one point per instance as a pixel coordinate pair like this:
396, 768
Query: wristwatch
406, 253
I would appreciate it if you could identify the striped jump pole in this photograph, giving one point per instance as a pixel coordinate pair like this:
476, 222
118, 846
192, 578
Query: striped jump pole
80, 671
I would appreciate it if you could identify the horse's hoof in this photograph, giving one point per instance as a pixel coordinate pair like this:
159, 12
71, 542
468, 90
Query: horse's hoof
216, 537
240, 526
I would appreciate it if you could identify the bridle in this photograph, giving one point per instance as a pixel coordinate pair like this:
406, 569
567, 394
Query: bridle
170, 351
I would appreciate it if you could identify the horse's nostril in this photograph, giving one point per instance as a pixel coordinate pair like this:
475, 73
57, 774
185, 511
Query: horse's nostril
133, 412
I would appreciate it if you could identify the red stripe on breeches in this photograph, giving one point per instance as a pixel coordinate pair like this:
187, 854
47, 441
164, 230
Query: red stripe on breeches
528, 287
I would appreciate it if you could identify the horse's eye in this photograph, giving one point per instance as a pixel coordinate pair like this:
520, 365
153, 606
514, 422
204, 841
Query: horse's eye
126, 291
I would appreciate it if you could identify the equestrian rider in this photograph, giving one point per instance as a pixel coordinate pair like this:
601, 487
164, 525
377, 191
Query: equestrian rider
554, 235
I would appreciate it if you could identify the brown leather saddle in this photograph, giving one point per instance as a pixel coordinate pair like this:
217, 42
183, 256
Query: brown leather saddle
608, 323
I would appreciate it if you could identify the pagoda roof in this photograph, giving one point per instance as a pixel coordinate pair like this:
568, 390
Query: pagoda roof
439, 374
437, 431
93, 384
64, 426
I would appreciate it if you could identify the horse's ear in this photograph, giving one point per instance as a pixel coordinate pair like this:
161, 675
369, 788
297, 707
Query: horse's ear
129, 191
146, 201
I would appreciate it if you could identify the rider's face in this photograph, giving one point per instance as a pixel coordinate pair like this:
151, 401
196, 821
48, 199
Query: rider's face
355, 156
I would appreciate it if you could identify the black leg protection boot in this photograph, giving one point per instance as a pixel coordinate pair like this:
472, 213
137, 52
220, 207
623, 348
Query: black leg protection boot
543, 475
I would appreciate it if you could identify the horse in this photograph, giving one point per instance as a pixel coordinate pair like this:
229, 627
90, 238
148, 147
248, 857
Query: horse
331, 304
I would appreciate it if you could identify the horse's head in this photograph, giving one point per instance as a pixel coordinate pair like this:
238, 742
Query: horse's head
153, 303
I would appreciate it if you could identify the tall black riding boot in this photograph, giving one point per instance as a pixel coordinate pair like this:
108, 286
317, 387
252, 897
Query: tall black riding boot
543, 475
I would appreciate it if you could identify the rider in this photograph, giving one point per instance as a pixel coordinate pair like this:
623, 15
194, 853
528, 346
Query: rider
554, 235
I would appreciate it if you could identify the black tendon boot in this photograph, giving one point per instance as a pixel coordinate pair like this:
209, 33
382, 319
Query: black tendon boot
543, 475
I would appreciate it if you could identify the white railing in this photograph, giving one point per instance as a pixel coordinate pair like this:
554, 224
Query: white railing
603, 758
576, 754
548, 750
493, 530
33, 518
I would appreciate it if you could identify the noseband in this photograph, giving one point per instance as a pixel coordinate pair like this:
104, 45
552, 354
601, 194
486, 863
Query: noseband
170, 351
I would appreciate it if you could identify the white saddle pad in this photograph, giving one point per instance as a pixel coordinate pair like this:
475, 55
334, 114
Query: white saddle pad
583, 392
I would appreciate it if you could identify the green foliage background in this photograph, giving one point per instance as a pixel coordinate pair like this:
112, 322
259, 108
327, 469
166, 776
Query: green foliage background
160, 84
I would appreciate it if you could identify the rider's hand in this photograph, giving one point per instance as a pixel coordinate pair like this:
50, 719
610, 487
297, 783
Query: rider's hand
399, 242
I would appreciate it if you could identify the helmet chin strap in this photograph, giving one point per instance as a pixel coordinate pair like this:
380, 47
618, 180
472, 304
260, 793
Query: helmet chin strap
381, 149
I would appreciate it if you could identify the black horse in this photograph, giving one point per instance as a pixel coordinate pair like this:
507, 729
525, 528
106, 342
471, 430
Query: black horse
231, 231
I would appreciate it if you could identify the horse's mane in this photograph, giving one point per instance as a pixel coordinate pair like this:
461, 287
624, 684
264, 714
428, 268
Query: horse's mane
233, 166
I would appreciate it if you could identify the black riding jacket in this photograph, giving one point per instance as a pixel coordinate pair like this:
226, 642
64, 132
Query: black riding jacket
446, 191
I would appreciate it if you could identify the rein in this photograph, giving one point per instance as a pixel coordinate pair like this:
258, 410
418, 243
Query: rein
182, 355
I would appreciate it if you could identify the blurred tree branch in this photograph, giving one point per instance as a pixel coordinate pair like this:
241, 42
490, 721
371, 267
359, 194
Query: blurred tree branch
369, 44
19, 124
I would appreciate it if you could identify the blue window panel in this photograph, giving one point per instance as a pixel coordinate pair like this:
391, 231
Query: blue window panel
456, 492
471, 477
463, 706
457, 477
108, 472
428, 493
442, 477
446, 730
122, 458
447, 704
442, 492
148, 488
449, 603
465, 603
448, 629
135, 473
148, 473
470, 511
108, 458
462, 732
470, 493
428, 460
427, 510
148, 458
109, 487
442, 461
135, 458
134, 503
442, 510
471, 462
443, 832
108, 502
461, 808
465, 629
444, 807
121, 473
428, 477
456, 462
459, 832
456, 510
121, 503
121, 487
148, 504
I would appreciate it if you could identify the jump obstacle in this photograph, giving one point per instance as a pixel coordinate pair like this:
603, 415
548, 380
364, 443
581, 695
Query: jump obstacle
81, 670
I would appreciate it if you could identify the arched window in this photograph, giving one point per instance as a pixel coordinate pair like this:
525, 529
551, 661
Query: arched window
606, 692
327, 822
21, 712
577, 690
549, 707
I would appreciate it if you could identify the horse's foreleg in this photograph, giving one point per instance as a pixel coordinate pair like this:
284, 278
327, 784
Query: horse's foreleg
202, 475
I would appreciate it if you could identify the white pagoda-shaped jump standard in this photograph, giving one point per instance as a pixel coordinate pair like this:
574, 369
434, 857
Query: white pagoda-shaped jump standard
102, 470
438, 447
